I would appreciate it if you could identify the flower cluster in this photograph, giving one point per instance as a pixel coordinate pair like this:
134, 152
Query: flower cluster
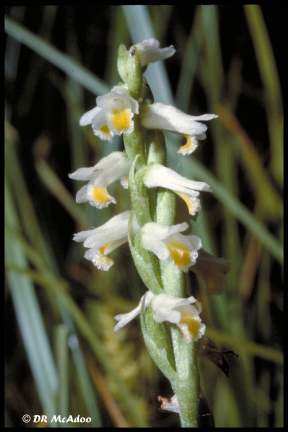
114, 115
157, 244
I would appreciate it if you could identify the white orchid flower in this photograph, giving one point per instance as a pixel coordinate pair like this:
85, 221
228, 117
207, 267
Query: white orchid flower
103, 240
111, 168
113, 114
170, 118
160, 176
184, 312
175, 310
167, 242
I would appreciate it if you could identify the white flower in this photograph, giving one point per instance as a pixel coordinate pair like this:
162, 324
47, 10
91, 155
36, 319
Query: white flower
167, 243
161, 176
182, 312
149, 51
167, 117
109, 169
104, 239
113, 114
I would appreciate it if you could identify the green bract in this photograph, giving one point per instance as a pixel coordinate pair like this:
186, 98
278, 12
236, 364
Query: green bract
158, 341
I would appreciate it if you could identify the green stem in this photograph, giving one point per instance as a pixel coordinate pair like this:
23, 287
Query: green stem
134, 144
187, 384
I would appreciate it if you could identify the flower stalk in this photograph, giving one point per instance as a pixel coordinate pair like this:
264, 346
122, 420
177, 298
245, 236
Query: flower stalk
162, 251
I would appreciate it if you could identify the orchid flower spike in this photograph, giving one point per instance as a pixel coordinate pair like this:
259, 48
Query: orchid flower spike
113, 114
167, 242
175, 310
104, 239
113, 167
169, 118
160, 176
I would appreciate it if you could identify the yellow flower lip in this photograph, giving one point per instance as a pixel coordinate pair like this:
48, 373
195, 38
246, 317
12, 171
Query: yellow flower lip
101, 196
192, 203
105, 131
101, 260
121, 119
179, 253
192, 322
190, 145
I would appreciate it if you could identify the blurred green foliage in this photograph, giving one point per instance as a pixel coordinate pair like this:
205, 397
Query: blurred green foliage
62, 356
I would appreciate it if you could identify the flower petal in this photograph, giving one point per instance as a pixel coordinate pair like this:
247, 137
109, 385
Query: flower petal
190, 146
81, 195
99, 196
117, 98
153, 234
149, 51
100, 126
108, 169
83, 173
126, 318
87, 118
170, 118
99, 259
160, 176
113, 230
192, 203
